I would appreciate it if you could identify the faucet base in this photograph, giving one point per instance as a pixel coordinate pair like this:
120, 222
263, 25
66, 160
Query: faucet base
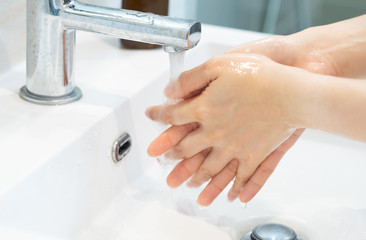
28, 96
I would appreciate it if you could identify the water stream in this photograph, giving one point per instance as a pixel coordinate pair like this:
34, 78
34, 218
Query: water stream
176, 65
176, 68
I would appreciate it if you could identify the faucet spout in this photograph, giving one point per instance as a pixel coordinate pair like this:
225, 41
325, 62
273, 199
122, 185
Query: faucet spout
132, 25
51, 29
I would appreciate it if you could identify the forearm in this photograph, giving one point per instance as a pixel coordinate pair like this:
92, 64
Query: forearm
343, 44
331, 104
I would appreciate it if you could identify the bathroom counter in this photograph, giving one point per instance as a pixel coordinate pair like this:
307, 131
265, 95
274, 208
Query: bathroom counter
58, 181
31, 134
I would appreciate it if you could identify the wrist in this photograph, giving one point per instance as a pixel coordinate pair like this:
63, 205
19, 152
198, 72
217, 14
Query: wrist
336, 49
331, 104
314, 51
303, 93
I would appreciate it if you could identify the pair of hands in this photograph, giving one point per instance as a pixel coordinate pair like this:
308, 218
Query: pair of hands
233, 121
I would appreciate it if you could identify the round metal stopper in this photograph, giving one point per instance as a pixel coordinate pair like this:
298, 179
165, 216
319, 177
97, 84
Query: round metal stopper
271, 232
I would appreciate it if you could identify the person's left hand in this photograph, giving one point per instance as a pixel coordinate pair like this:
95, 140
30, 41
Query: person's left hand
238, 126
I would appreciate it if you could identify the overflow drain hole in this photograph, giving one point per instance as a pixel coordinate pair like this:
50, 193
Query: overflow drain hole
121, 147
124, 147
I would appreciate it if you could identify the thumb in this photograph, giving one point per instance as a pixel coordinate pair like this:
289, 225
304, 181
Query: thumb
191, 82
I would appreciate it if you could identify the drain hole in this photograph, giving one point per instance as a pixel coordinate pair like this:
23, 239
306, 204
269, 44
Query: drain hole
124, 147
121, 147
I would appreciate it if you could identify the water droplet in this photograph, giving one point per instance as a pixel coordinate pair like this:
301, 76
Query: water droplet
243, 204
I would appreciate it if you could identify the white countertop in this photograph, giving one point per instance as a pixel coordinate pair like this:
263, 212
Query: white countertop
31, 135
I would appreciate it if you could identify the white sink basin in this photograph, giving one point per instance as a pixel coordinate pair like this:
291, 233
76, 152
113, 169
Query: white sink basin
58, 180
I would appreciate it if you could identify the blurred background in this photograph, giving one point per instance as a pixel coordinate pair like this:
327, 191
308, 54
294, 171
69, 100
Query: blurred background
271, 16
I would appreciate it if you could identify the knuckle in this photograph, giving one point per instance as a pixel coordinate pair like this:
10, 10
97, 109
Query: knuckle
277, 42
201, 113
169, 139
249, 159
214, 136
265, 170
186, 166
255, 183
218, 185
214, 62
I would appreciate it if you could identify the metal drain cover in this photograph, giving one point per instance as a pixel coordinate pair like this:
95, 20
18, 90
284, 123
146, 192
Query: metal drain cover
271, 231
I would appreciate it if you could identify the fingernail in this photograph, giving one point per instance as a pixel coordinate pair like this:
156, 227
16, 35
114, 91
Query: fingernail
243, 204
168, 90
191, 184
149, 151
200, 206
166, 162
231, 196
148, 113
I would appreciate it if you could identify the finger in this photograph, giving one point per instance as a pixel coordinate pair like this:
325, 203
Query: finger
243, 174
191, 81
185, 169
264, 171
214, 163
174, 114
169, 138
246, 170
188, 146
218, 183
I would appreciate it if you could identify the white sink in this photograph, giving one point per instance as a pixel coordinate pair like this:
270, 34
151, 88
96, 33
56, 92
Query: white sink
58, 180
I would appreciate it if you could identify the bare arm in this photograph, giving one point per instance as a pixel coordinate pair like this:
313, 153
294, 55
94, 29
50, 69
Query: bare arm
337, 49
344, 44
335, 105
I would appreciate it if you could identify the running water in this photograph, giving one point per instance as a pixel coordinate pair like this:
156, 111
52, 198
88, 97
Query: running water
176, 68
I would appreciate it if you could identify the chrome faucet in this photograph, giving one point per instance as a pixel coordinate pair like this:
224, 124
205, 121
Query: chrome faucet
51, 27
